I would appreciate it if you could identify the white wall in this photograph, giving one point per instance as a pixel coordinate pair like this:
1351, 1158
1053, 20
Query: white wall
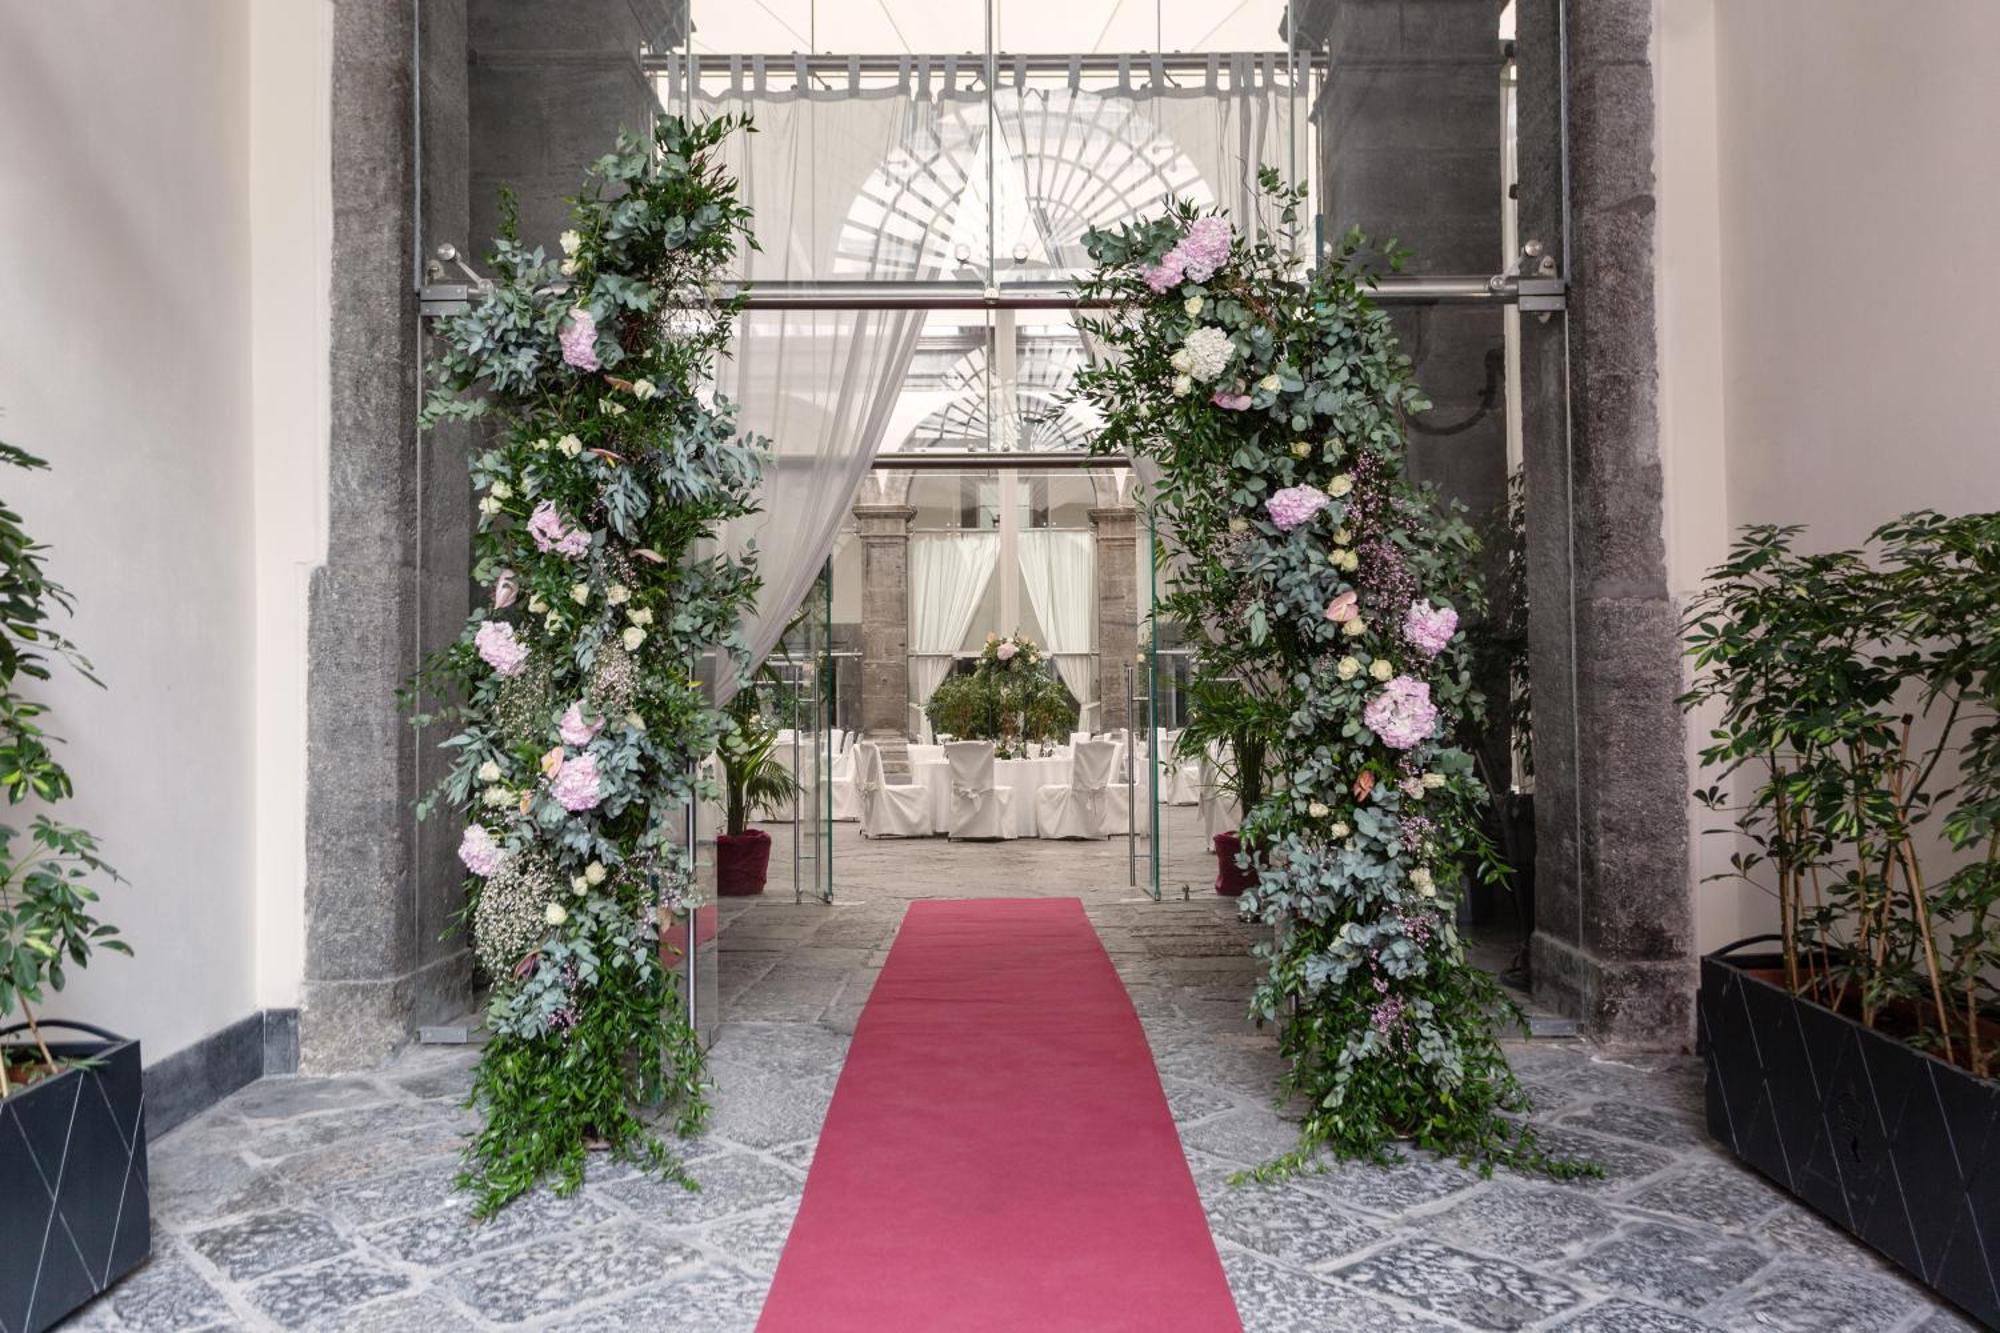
171, 365
1829, 279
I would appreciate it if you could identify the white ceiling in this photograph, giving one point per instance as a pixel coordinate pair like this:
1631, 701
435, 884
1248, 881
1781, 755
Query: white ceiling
946, 26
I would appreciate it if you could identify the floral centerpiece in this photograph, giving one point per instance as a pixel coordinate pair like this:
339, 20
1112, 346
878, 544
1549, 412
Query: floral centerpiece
1010, 699
1323, 592
579, 722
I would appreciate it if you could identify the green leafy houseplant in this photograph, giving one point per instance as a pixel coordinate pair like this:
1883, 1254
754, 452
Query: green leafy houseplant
1854, 752
47, 904
1010, 698
1320, 589
753, 777
578, 722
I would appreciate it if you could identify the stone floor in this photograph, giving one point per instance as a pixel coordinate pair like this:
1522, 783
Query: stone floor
326, 1203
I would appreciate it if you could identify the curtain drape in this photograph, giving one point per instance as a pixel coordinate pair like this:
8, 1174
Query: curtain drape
1059, 569
949, 572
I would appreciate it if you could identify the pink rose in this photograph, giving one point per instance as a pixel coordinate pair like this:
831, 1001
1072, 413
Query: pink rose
1005, 652
1342, 609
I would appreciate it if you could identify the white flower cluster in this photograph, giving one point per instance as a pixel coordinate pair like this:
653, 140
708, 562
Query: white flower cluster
1205, 354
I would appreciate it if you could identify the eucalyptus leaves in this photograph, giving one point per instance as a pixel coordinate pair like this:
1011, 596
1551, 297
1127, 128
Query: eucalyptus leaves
580, 722
1320, 590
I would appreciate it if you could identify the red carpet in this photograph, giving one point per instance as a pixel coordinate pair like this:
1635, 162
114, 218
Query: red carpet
999, 1154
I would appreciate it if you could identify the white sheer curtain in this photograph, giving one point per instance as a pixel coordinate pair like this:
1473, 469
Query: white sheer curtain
949, 572
1059, 569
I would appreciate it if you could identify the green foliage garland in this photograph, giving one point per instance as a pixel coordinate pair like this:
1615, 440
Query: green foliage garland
1320, 590
579, 722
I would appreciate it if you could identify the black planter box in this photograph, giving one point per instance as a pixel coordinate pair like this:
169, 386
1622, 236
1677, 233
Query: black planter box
1897, 1147
73, 1213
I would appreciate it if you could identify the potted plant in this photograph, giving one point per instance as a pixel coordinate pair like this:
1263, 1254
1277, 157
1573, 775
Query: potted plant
1243, 777
753, 778
1009, 698
71, 1108
1851, 699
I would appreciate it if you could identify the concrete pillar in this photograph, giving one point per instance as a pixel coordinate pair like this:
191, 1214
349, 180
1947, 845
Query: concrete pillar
884, 530
1117, 608
1614, 935
553, 81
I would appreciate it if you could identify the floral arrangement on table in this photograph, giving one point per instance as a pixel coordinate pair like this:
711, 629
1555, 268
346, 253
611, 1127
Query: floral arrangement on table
1010, 698
579, 720
46, 869
1323, 592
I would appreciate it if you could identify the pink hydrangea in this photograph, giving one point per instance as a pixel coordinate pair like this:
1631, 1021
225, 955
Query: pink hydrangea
1295, 505
579, 340
1234, 402
481, 855
552, 533
1005, 652
505, 589
575, 785
499, 649
574, 730
1167, 274
1205, 248
1430, 627
1343, 608
1402, 714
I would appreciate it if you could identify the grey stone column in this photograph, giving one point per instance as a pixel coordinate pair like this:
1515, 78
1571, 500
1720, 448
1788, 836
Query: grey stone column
553, 81
379, 889
1116, 530
884, 530
1614, 909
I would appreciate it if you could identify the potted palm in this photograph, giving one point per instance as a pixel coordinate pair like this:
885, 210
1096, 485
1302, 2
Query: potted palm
1244, 779
753, 778
73, 1213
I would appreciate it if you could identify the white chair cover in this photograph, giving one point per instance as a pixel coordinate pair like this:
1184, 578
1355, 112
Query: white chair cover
846, 789
886, 811
1090, 805
1220, 811
978, 808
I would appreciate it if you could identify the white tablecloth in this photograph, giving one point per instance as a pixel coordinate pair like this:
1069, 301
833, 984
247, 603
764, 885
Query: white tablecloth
1024, 777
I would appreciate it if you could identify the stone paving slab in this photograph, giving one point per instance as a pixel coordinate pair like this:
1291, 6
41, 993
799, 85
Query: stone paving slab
327, 1203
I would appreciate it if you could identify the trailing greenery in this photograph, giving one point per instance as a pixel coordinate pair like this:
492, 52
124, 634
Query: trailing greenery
47, 920
1854, 704
578, 721
1010, 698
1321, 591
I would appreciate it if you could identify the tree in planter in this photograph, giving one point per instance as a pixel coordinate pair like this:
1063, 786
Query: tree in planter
1320, 588
753, 779
46, 898
580, 725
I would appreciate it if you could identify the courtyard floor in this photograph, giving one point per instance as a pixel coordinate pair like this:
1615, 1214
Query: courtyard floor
327, 1203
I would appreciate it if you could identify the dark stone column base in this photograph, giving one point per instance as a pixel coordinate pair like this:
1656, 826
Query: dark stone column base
350, 1025
1639, 1005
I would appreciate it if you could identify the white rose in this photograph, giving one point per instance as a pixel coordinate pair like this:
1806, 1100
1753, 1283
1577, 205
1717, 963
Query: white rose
489, 506
644, 389
1183, 385
489, 771
555, 914
1182, 362
1421, 880
640, 616
1270, 384
569, 446
567, 268
1192, 305
1301, 449
1343, 536
542, 443
1349, 562
536, 606
1349, 667
579, 593
502, 491
1340, 486
578, 884
618, 594
632, 638
1319, 810
1433, 780
570, 241
1339, 829
496, 797
594, 873
1356, 627
1381, 669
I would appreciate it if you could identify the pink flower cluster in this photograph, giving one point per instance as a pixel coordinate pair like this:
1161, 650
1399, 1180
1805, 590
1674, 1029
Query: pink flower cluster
481, 855
499, 649
1231, 402
579, 340
1343, 608
1195, 258
552, 533
1430, 627
574, 730
576, 785
1295, 505
1402, 714
1005, 652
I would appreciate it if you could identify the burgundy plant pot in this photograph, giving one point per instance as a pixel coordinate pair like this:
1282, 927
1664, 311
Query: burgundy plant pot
1230, 878
742, 860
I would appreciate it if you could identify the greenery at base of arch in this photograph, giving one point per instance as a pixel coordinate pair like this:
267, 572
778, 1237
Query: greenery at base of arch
1322, 590
576, 721
1009, 698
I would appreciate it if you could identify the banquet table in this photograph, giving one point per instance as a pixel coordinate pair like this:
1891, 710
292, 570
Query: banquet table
1024, 777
